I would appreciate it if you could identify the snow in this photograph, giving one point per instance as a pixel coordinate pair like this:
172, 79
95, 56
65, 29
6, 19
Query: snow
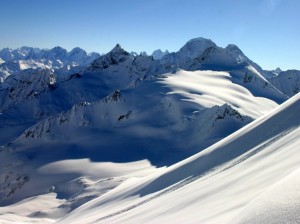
34, 58
113, 142
39, 209
196, 47
280, 203
150, 119
97, 170
210, 88
95, 179
287, 82
226, 183
31, 64
158, 54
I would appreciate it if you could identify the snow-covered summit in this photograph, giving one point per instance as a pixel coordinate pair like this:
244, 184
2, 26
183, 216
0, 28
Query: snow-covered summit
118, 52
196, 47
236, 53
184, 58
158, 54
115, 56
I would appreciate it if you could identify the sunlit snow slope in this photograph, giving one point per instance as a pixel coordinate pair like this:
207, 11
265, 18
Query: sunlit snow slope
252, 176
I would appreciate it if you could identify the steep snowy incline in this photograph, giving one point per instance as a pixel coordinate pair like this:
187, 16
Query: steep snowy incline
240, 57
240, 179
287, 82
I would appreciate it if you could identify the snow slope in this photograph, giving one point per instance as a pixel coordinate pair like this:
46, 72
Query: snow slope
287, 82
69, 184
252, 176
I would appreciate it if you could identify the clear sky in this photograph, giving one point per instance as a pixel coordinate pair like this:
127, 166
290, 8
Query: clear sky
267, 31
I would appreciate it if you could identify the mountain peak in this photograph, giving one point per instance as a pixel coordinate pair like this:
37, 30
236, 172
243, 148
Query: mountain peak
233, 49
200, 40
158, 54
196, 47
231, 46
278, 70
76, 49
57, 48
58, 51
116, 55
118, 50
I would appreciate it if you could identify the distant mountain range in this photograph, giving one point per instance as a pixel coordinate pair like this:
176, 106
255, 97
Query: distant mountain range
12, 61
80, 126
62, 62
57, 59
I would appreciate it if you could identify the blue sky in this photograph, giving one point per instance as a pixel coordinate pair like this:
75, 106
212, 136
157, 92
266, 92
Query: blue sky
267, 31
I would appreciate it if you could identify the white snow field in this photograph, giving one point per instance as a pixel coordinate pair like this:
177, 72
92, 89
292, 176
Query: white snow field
91, 180
252, 176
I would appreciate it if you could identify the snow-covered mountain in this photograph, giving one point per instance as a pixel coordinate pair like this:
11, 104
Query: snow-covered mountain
117, 70
107, 132
252, 176
158, 54
287, 82
15, 60
249, 177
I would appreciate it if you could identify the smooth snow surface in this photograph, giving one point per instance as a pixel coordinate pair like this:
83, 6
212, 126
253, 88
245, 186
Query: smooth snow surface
210, 88
39, 209
95, 179
279, 204
233, 181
